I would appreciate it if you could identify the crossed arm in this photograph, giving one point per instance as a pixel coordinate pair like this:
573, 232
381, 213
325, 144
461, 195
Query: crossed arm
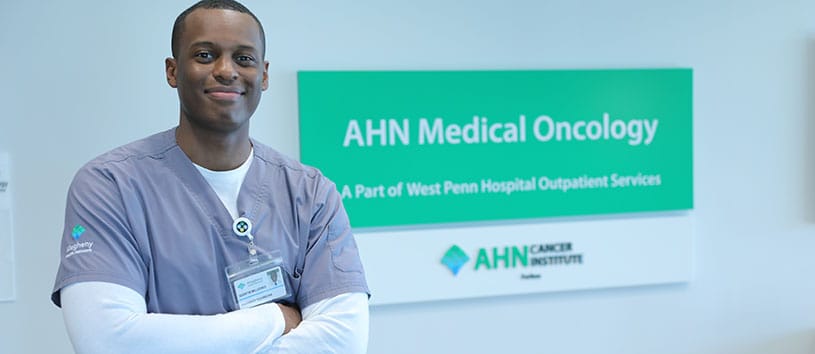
100, 316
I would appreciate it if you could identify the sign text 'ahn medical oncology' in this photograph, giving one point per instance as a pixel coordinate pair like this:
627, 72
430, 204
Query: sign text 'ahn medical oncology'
408, 148
389, 132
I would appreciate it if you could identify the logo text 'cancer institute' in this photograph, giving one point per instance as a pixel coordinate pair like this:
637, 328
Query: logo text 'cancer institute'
454, 259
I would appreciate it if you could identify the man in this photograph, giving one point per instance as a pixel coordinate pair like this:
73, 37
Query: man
173, 243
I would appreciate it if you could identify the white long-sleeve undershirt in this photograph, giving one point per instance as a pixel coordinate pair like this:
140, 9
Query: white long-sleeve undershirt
104, 317
336, 325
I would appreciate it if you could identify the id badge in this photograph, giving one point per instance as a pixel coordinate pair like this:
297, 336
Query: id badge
257, 280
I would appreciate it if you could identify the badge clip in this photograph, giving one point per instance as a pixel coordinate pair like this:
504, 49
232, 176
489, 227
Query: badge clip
242, 227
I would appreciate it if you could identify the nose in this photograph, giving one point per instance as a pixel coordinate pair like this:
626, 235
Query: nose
224, 70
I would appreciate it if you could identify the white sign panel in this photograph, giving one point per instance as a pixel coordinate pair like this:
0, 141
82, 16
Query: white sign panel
6, 239
479, 261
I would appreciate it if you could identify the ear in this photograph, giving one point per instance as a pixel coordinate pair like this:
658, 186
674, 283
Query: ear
170, 69
265, 75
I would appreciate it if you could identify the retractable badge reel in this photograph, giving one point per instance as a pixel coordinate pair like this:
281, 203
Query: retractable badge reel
259, 279
243, 228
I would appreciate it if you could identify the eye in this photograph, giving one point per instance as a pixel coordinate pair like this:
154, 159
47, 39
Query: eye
204, 56
245, 59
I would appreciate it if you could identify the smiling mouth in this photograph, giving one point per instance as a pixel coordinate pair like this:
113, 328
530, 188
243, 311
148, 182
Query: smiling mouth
224, 95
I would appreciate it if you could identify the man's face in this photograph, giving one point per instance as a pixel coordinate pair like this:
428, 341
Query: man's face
219, 69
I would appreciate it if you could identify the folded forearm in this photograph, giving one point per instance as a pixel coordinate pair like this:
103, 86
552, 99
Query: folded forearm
335, 325
105, 317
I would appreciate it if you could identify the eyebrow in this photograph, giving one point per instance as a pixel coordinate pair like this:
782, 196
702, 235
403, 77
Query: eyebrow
212, 44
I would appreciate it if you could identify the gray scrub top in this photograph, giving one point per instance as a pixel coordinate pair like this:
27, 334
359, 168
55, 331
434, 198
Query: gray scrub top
143, 217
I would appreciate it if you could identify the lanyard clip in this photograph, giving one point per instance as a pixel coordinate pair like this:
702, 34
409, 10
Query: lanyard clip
243, 228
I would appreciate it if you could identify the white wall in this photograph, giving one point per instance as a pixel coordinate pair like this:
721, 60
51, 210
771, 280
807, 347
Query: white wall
79, 78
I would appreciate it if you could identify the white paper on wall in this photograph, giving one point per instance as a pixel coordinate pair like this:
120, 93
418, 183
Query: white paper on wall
7, 291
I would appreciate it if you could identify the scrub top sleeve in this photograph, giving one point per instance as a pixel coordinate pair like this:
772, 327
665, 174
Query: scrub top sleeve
332, 263
97, 242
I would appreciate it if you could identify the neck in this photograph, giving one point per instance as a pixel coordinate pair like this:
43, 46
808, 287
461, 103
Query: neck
213, 150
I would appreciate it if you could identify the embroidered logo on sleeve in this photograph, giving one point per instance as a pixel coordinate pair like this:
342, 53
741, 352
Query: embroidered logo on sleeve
78, 231
78, 247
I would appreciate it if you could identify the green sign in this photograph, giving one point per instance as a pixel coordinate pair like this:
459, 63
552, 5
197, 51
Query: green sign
420, 147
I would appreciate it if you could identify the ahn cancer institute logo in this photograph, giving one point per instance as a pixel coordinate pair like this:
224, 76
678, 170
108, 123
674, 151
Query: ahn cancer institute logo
454, 259
510, 257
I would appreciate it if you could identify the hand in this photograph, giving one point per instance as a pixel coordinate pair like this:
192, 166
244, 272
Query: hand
292, 316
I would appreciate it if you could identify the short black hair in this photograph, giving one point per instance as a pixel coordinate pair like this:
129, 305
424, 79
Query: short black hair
233, 5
